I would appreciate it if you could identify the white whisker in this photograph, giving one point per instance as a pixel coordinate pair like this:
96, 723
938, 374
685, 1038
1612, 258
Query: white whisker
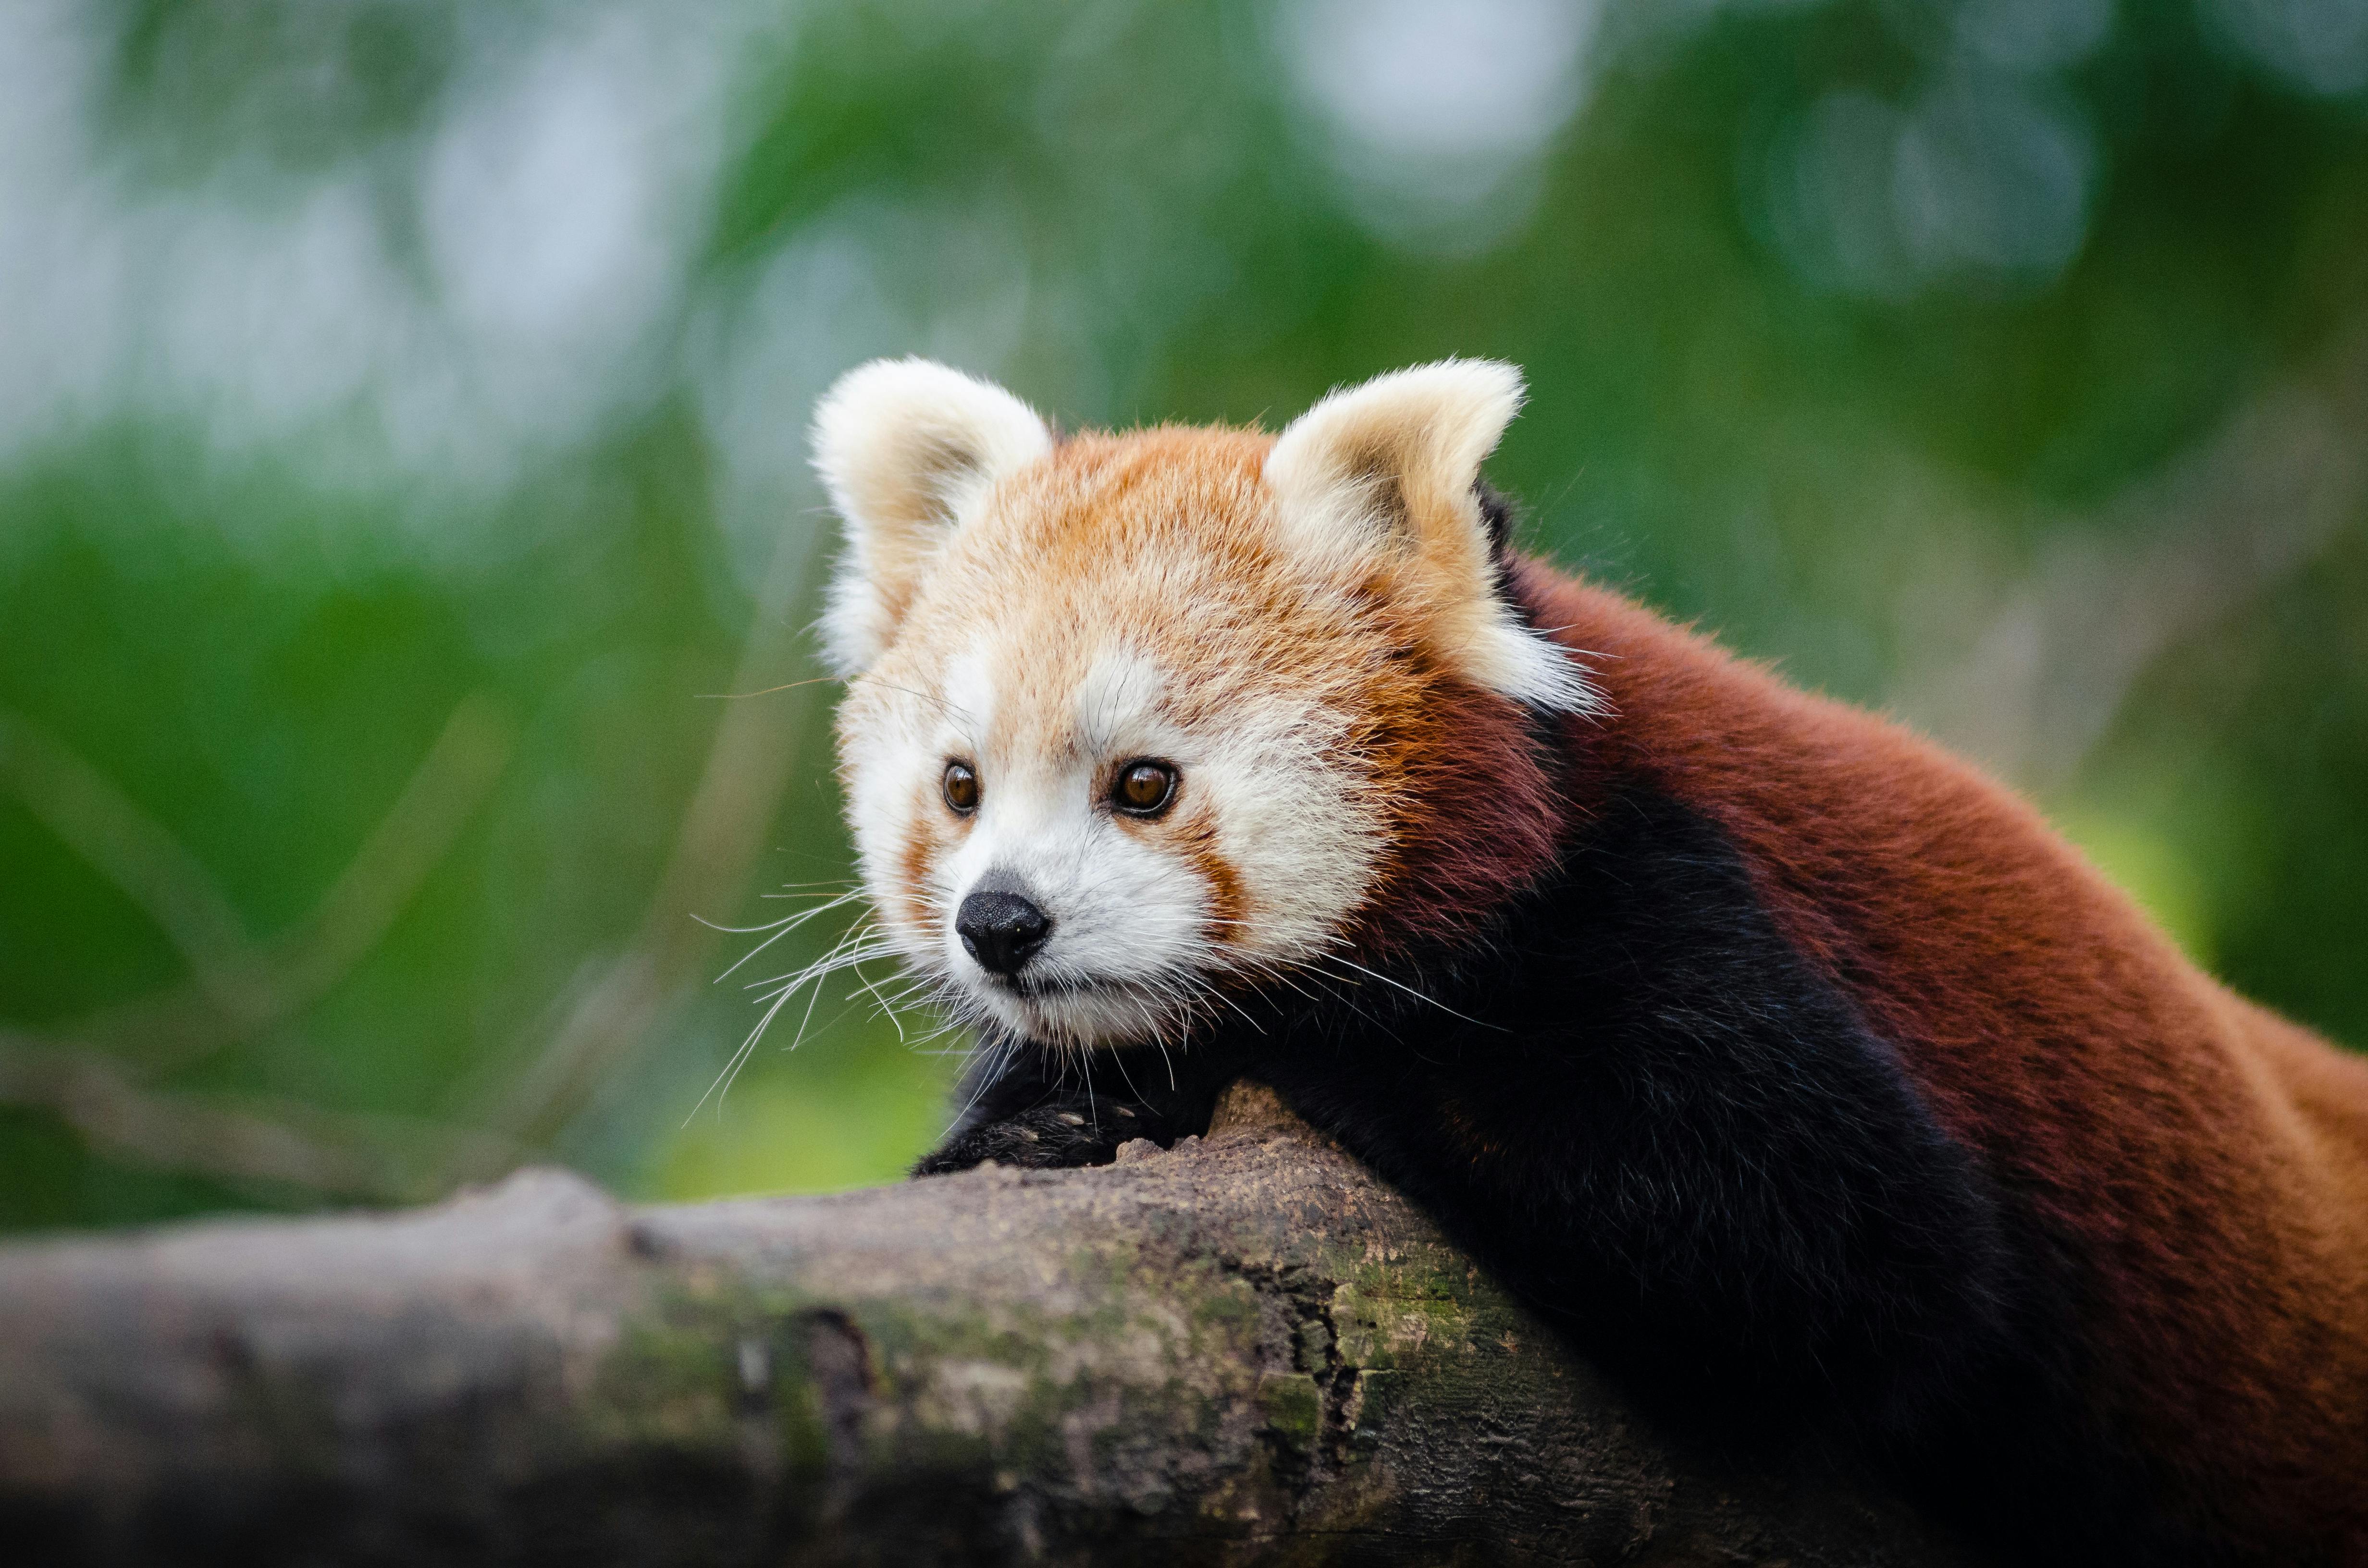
1360, 969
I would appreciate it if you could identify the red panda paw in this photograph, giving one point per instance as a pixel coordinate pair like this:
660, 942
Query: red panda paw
1055, 1135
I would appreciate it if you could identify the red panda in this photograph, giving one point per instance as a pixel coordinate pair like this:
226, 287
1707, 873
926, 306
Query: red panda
1800, 1074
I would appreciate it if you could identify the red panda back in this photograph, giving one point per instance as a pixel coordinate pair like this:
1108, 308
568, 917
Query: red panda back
2205, 1161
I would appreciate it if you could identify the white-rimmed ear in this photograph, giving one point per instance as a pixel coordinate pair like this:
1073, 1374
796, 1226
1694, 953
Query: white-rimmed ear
906, 448
1379, 479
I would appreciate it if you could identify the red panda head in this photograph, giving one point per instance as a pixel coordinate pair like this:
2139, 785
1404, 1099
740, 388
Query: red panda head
1135, 722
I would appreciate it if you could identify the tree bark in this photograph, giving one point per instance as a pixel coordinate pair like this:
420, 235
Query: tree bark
1242, 1350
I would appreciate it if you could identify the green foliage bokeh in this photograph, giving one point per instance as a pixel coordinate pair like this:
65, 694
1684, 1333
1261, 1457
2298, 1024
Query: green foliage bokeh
249, 570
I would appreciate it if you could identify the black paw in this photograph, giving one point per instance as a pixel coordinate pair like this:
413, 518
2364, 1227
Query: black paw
1056, 1134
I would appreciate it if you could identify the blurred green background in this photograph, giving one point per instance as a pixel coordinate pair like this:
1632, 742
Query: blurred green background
401, 465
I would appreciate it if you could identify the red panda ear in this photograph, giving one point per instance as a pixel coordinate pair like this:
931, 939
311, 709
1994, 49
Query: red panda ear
1377, 481
906, 448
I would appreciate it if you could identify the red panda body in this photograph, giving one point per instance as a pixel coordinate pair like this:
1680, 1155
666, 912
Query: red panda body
1804, 1076
2197, 1167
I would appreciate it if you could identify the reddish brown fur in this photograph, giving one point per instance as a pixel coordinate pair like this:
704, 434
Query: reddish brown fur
1227, 906
1474, 813
913, 880
2205, 1162
2208, 1160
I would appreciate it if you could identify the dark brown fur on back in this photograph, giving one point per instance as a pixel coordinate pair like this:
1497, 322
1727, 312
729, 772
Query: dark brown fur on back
2204, 1163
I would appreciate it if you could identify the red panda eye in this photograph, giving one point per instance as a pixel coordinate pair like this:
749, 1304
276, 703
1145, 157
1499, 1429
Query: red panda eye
961, 786
1144, 788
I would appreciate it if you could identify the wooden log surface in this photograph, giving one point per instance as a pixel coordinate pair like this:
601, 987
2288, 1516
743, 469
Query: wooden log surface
1245, 1349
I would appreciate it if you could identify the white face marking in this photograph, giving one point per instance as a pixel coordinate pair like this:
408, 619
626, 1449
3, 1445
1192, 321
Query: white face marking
1139, 933
1237, 608
1123, 913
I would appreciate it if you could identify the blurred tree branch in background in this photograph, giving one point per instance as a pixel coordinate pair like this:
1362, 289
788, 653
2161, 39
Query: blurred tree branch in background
275, 980
613, 1015
132, 849
238, 987
2109, 593
258, 1143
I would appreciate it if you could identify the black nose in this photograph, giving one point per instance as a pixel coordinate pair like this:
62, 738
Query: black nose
1001, 930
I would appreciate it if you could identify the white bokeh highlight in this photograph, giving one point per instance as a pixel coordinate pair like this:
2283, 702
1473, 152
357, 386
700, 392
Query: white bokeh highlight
1984, 176
556, 200
2320, 46
1436, 112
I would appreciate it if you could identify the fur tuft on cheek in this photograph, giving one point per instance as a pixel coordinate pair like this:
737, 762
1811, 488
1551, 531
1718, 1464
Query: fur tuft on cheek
903, 835
916, 902
1227, 905
1478, 809
1288, 838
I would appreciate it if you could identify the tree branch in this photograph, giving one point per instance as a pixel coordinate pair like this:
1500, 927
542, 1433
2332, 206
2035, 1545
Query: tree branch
264, 1145
1245, 1350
